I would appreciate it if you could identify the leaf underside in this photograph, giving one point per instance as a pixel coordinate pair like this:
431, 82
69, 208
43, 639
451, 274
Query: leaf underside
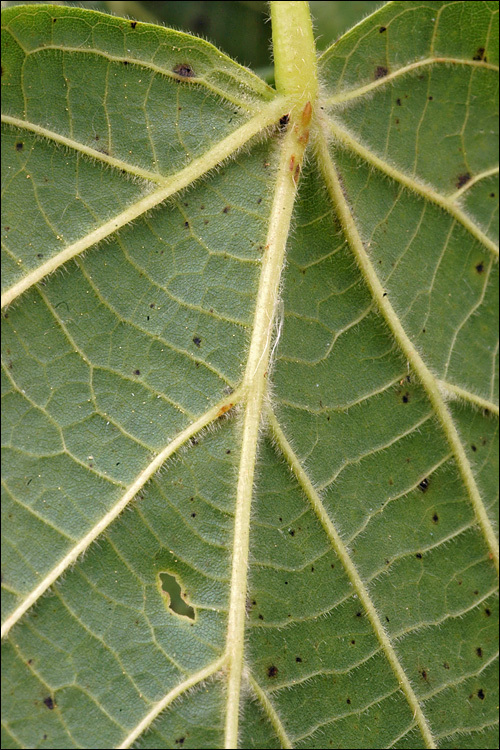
113, 145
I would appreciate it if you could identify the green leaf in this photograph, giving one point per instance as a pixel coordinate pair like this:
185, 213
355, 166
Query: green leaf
250, 502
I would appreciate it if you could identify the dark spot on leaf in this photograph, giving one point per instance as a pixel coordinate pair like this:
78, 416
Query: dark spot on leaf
137, 372
418, 555
359, 614
380, 71
19, 146
228, 451
446, 665
30, 661
424, 485
292, 532
423, 330
487, 612
479, 652
284, 121
384, 294
49, 703
54, 20
125, 62
312, 568
474, 448
406, 397
398, 102
475, 592
193, 515
480, 267
298, 659
133, 24
387, 619
39, 255
272, 671
492, 195
261, 617
479, 54
226, 209
424, 674
480, 694
382, 29
184, 70
186, 224
435, 517
462, 179
180, 740
197, 341
348, 701
259, 201
353, 642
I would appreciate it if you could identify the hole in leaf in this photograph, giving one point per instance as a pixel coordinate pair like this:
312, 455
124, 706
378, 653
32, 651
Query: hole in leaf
176, 604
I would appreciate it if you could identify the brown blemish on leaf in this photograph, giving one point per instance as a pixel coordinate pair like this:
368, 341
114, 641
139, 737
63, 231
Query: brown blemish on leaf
19, 146
480, 54
380, 72
296, 174
291, 165
133, 24
49, 703
462, 179
226, 209
480, 267
272, 671
197, 341
382, 29
305, 118
224, 409
184, 70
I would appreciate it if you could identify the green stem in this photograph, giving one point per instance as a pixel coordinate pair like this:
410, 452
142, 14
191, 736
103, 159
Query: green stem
294, 51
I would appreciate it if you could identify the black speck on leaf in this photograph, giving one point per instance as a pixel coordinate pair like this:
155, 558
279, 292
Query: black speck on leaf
480, 54
405, 398
19, 146
197, 341
418, 555
284, 121
479, 652
462, 179
424, 485
382, 29
398, 102
298, 659
133, 24
380, 71
49, 703
226, 209
480, 267
272, 671
137, 372
480, 694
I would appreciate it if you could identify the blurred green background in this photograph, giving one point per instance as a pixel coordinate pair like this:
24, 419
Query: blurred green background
240, 28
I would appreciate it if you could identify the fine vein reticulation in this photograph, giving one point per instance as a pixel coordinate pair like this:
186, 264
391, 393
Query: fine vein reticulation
308, 134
